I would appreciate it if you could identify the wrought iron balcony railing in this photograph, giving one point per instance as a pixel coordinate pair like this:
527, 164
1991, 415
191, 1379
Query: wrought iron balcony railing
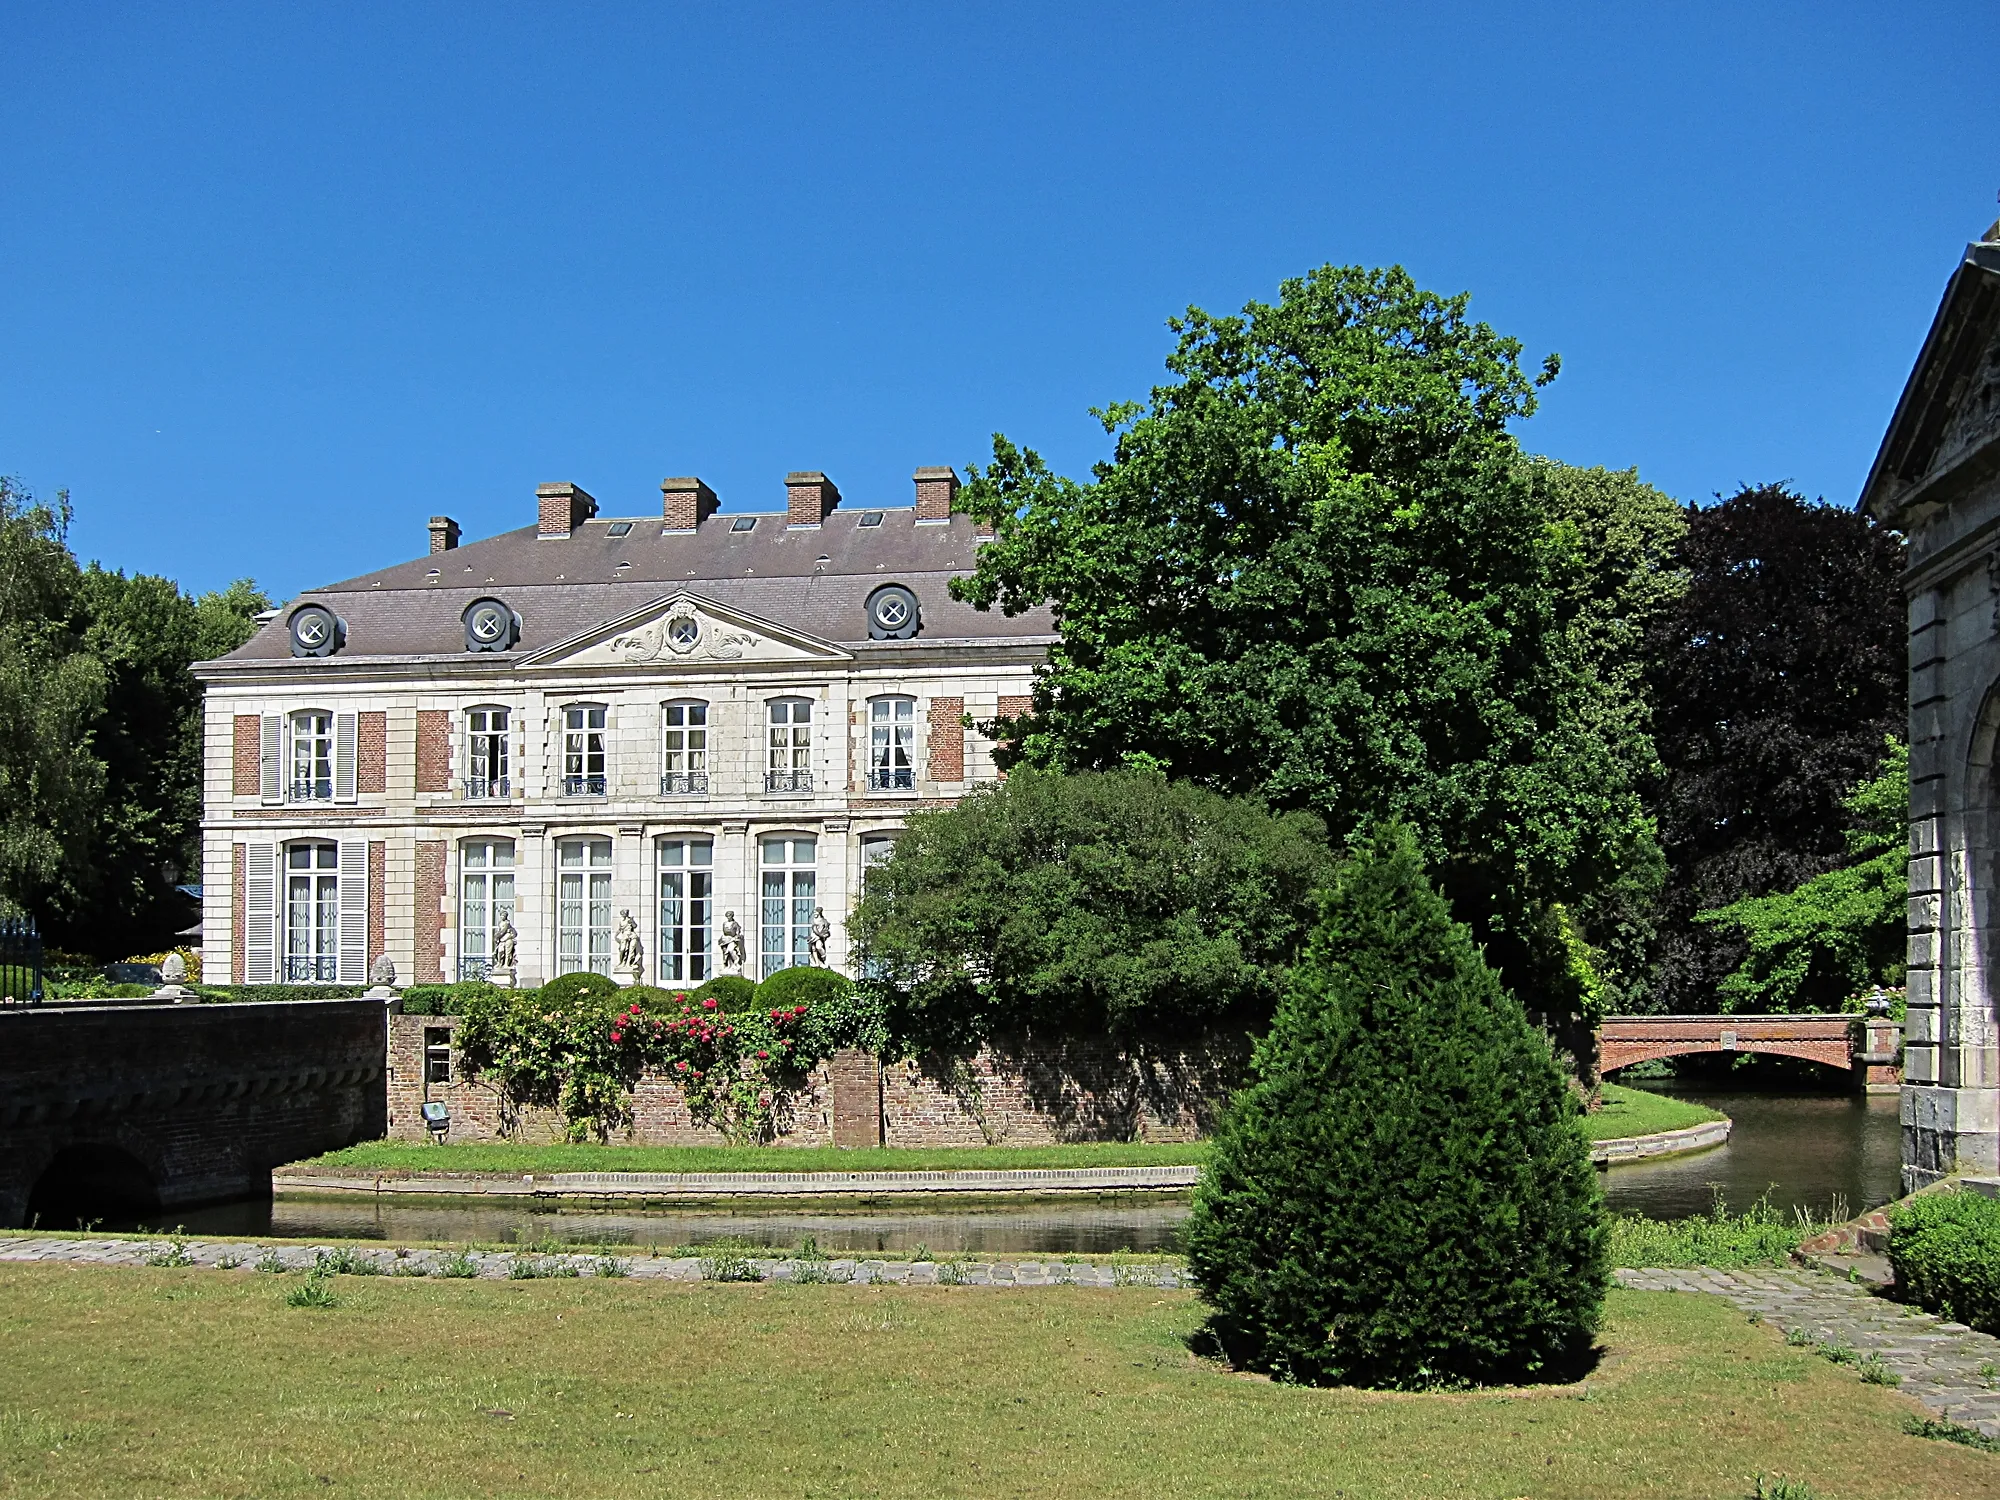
472, 969
684, 784
892, 778
318, 790
306, 970
583, 786
788, 781
481, 788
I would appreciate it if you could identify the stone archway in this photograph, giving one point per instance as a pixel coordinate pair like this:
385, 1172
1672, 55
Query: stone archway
91, 1182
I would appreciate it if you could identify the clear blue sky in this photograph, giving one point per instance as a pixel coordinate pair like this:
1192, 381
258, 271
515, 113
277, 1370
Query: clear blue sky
279, 282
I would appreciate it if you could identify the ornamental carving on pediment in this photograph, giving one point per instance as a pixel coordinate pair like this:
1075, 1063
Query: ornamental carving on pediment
681, 636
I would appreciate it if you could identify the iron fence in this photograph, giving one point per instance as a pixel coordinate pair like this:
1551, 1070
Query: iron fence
20, 961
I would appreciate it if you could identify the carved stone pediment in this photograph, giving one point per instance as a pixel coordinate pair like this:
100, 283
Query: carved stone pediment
1975, 411
686, 629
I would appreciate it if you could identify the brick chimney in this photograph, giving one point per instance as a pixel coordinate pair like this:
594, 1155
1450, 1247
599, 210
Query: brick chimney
812, 496
936, 490
564, 507
686, 503
444, 534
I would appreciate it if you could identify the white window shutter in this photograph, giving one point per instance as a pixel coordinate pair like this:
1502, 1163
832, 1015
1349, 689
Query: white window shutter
353, 911
343, 761
260, 913
271, 759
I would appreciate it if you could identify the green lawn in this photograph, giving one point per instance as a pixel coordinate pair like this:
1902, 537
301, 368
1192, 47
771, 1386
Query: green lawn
1625, 1112
1636, 1112
122, 1382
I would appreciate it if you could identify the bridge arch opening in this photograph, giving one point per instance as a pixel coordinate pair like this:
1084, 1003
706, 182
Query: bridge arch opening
89, 1183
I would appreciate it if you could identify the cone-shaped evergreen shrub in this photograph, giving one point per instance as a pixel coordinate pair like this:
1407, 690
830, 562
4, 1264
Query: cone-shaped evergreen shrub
1403, 1197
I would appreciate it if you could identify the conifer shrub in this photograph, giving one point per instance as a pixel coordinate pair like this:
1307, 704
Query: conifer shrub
1403, 1196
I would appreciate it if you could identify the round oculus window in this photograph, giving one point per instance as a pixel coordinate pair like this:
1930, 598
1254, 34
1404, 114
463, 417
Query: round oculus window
315, 630
683, 631
892, 613
489, 625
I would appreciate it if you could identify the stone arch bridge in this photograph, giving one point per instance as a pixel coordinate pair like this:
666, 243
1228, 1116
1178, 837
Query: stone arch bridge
1868, 1046
122, 1111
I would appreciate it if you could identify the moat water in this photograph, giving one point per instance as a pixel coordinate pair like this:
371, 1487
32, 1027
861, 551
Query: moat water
1823, 1153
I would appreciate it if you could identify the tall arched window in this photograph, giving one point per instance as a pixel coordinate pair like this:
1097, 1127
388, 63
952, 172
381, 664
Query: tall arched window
687, 909
583, 906
488, 770
312, 757
789, 744
892, 744
790, 892
583, 750
485, 896
684, 749
312, 913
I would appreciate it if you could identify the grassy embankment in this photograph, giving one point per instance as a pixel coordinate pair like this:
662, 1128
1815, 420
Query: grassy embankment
1625, 1112
202, 1383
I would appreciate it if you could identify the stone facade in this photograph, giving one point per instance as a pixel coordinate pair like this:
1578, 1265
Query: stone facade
1937, 479
1016, 1094
698, 713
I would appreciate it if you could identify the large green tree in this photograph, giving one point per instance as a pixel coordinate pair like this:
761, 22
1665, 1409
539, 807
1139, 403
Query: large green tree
100, 733
1780, 672
1318, 566
1089, 903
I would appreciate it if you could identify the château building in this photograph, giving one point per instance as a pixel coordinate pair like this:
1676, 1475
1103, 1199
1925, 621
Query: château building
709, 723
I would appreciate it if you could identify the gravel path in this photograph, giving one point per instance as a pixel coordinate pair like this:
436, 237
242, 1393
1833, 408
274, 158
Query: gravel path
719, 1265
1953, 1371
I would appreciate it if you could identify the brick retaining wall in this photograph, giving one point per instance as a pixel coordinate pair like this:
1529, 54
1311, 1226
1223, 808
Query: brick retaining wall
1016, 1094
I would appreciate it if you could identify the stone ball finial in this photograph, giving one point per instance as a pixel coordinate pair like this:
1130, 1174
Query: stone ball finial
384, 971
173, 969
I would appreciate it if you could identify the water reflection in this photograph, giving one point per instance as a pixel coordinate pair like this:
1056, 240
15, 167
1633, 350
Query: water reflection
1812, 1151
1096, 1227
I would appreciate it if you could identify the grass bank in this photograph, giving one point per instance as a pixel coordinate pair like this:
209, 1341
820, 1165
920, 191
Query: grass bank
199, 1383
1625, 1112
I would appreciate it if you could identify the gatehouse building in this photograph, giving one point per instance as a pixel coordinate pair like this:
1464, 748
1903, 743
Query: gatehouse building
659, 746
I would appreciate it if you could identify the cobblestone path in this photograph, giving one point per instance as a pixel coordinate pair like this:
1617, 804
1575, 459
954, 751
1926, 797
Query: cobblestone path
1953, 1371
719, 1265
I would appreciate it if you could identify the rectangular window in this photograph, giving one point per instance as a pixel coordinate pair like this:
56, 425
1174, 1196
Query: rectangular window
790, 889
892, 740
687, 909
487, 773
485, 896
312, 913
583, 751
684, 750
583, 906
437, 1054
789, 747
312, 758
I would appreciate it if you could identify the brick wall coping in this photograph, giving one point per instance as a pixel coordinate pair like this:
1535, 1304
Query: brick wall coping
1038, 1182
1663, 1143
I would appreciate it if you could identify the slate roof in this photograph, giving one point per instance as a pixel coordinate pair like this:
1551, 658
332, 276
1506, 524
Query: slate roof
815, 580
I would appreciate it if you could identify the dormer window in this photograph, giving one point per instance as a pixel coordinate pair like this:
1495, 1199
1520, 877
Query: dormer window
583, 751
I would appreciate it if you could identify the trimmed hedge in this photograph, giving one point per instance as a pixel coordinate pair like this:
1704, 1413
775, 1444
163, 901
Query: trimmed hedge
1945, 1250
731, 992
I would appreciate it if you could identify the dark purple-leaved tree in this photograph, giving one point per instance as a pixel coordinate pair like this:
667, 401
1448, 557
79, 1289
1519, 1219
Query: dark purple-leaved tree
1777, 678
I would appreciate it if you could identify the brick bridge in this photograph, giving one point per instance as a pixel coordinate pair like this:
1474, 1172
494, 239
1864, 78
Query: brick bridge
1868, 1046
117, 1112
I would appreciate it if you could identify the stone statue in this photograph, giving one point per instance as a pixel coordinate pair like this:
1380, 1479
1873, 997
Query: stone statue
729, 943
817, 935
505, 939
631, 956
383, 974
